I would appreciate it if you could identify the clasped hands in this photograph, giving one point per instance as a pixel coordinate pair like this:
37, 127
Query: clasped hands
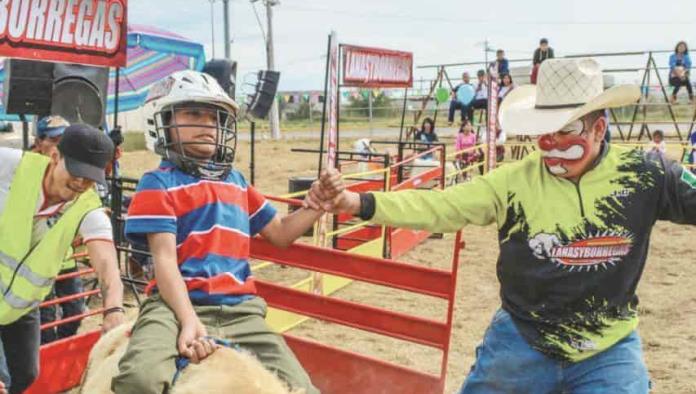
329, 194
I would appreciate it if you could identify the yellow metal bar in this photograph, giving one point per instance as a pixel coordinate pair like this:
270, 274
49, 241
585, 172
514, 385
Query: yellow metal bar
468, 168
361, 174
295, 194
261, 266
347, 229
473, 148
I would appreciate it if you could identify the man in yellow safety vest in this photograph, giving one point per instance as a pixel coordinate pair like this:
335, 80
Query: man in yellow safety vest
44, 203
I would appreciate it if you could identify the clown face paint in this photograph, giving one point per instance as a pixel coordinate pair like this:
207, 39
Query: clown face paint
566, 152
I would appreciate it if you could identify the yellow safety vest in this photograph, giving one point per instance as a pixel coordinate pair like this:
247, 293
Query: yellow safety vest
26, 273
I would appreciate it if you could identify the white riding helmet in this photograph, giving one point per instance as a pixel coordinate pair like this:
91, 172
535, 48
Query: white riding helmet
189, 88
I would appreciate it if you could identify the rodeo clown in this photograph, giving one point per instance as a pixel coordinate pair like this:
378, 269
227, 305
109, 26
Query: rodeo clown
574, 221
197, 215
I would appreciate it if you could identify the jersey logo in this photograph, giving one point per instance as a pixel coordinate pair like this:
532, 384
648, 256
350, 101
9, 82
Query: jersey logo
586, 254
689, 178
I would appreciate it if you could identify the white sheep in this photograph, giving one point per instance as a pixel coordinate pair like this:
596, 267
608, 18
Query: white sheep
211, 376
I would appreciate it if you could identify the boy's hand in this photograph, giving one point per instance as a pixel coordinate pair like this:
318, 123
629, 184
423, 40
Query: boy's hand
327, 188
193, 341
329, 194
3, 390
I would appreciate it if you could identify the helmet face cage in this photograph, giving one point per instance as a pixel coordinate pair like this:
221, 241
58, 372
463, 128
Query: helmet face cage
173, 149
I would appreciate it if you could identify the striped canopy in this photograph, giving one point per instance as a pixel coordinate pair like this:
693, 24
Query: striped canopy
152, 54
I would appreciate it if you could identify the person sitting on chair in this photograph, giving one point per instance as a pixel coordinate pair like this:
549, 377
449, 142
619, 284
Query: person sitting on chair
462, 95
679, 70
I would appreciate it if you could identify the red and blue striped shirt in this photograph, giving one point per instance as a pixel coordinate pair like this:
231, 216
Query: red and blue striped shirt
213, 222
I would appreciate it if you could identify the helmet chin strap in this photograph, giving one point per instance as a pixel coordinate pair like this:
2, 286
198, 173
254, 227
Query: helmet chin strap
204, 169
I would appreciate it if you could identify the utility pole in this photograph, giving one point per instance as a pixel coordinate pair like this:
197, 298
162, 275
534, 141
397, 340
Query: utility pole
273, 115
212, 24
226, 15
486, 48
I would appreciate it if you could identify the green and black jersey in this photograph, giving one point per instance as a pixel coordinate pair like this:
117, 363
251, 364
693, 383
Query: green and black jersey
571, 254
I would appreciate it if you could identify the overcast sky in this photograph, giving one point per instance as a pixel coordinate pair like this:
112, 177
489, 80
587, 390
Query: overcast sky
436, 31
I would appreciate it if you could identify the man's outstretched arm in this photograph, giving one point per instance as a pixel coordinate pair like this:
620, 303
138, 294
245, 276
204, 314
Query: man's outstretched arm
475, 202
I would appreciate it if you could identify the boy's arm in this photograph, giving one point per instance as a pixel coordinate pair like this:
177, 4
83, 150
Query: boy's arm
192, 341
282, 232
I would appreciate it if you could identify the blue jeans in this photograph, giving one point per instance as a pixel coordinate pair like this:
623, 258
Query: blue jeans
19, 352
454, 106
505, 363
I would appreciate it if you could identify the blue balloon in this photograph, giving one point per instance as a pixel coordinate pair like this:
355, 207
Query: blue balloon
465, 94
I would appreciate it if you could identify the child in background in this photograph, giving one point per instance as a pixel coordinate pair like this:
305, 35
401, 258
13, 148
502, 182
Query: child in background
466, 138
691, 159
659, 142
426, 135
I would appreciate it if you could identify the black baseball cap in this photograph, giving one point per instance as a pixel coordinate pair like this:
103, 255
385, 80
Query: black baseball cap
87, 151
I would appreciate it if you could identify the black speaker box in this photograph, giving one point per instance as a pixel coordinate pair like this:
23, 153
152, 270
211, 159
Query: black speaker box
28, 87
225, 72
266, 88
80, 93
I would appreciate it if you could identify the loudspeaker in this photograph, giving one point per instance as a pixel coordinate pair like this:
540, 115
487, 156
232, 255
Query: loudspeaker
28, 87
266, 88
79, 93
225, 72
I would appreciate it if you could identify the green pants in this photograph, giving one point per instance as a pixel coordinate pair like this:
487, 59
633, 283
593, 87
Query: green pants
148, 364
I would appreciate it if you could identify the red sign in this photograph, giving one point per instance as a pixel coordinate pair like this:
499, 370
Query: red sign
377, 68
74, 31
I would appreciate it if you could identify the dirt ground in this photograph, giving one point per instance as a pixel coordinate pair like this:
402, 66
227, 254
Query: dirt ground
668, 300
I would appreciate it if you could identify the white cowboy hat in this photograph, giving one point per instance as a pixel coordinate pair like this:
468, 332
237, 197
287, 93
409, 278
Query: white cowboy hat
566, 90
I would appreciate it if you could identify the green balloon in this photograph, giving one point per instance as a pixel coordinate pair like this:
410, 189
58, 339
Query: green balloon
442, 95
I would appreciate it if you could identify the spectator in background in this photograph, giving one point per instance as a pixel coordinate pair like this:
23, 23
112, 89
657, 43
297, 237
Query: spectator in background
480, 94
466, 139
659, 145
427, 136
49, 129
540, 54
506, 85
501, 63
462, 95
607, 135
692, 155
679, 69
500, 139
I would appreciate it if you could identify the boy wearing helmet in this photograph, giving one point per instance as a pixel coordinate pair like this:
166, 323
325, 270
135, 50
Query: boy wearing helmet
197, 214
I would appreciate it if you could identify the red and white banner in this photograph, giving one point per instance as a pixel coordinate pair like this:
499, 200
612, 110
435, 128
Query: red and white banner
492, 129
375, 67
89, 32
